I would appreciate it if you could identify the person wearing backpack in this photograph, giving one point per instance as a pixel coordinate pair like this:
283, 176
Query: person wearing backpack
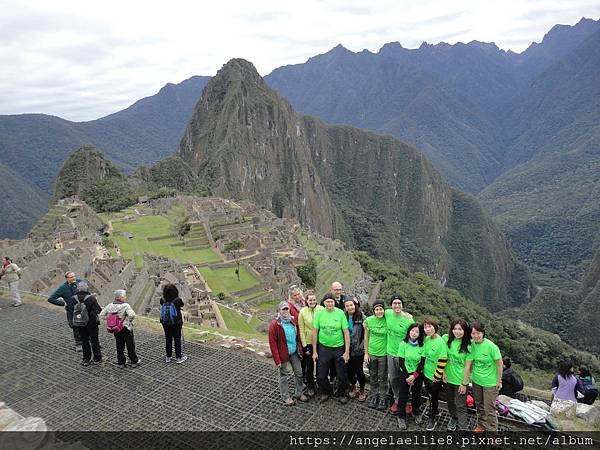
12, 274
172, 322
85, 318
119, 316
511, 380
62, 296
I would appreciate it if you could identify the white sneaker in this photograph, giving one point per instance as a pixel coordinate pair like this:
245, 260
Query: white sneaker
168, 359
180, 360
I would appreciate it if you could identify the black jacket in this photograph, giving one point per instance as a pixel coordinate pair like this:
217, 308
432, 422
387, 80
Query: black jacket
91, 304
339, 304
508, 383
178, 303
357, 338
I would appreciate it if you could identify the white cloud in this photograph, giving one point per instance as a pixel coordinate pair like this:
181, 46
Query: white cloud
83, 60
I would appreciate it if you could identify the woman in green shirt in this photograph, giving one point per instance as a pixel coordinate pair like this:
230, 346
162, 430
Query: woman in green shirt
436, 357
458, 341
376, 355
485, 362
411, 361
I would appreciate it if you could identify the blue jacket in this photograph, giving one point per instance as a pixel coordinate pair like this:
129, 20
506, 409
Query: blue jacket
65, 291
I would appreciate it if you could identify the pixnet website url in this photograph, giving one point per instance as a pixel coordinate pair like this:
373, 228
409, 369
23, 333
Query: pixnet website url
451, 440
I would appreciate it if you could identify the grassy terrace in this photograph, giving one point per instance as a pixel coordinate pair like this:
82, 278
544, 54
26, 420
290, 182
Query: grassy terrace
225, 280
153, 234
238, 323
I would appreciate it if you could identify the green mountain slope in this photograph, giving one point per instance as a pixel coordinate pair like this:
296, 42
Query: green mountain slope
549, 205
19, 215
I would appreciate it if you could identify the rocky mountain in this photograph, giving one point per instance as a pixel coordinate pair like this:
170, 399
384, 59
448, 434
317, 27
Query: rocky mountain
370, 190
35, 146
573, 316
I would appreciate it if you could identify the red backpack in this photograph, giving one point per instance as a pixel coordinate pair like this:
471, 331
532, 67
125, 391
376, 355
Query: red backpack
114, 324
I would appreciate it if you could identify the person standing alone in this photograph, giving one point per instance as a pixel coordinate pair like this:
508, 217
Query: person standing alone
12, 274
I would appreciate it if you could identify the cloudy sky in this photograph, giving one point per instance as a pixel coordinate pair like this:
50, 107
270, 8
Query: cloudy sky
83, 60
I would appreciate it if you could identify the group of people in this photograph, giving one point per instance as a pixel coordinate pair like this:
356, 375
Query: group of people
334, 340
575, 388
84, 315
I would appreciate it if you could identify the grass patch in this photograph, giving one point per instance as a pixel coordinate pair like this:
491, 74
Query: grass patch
138, 260
235, 321
269, 305
146, 227
225, 280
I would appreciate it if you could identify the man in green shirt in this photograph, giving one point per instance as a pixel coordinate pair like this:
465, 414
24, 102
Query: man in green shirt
331, 344
397, 322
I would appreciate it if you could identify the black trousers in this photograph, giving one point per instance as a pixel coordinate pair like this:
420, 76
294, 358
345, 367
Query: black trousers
433, 389
173, 333
415, 393
90, 342
355, 371
309, 372
327, 356
125, 339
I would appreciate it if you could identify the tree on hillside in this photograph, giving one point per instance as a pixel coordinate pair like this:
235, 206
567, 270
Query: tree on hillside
233, 249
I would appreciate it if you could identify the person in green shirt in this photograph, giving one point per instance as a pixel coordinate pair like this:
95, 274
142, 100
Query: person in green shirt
397, 321
484, 364
458, 341
376, 355
411, 360
436, 357
331, 344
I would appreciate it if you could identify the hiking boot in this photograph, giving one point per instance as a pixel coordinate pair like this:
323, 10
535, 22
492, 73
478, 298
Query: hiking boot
180, 360
431, 423
419, 419
452, 424
394, 409
362, 395
78, 348
85, 363
120, 366
381, 404
98, 363
372, 402
343, 399
401, 424
168, 359
310, 392
134, 365
289, 402
479, 429
16, 304
302, 398
324, 398
353, 392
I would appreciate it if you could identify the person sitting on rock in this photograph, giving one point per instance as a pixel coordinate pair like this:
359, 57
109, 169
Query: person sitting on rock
589, 386
286, 348
62, 297
511, 380
12, 274
565, 384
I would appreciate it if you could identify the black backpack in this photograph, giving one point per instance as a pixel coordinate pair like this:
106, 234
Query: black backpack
517, 382
80, 312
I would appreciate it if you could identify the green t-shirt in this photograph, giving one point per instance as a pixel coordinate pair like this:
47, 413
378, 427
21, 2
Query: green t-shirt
433, 349
397, 326
455, 368
377, 335
412, 355
484, 357
330, 325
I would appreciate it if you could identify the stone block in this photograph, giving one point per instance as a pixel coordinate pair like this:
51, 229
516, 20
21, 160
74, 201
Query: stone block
504, 399
28, 424
7, 418
540, 404
563, 409
589, 413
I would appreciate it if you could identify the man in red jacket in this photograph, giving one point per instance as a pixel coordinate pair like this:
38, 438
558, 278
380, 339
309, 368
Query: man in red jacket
284, 340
